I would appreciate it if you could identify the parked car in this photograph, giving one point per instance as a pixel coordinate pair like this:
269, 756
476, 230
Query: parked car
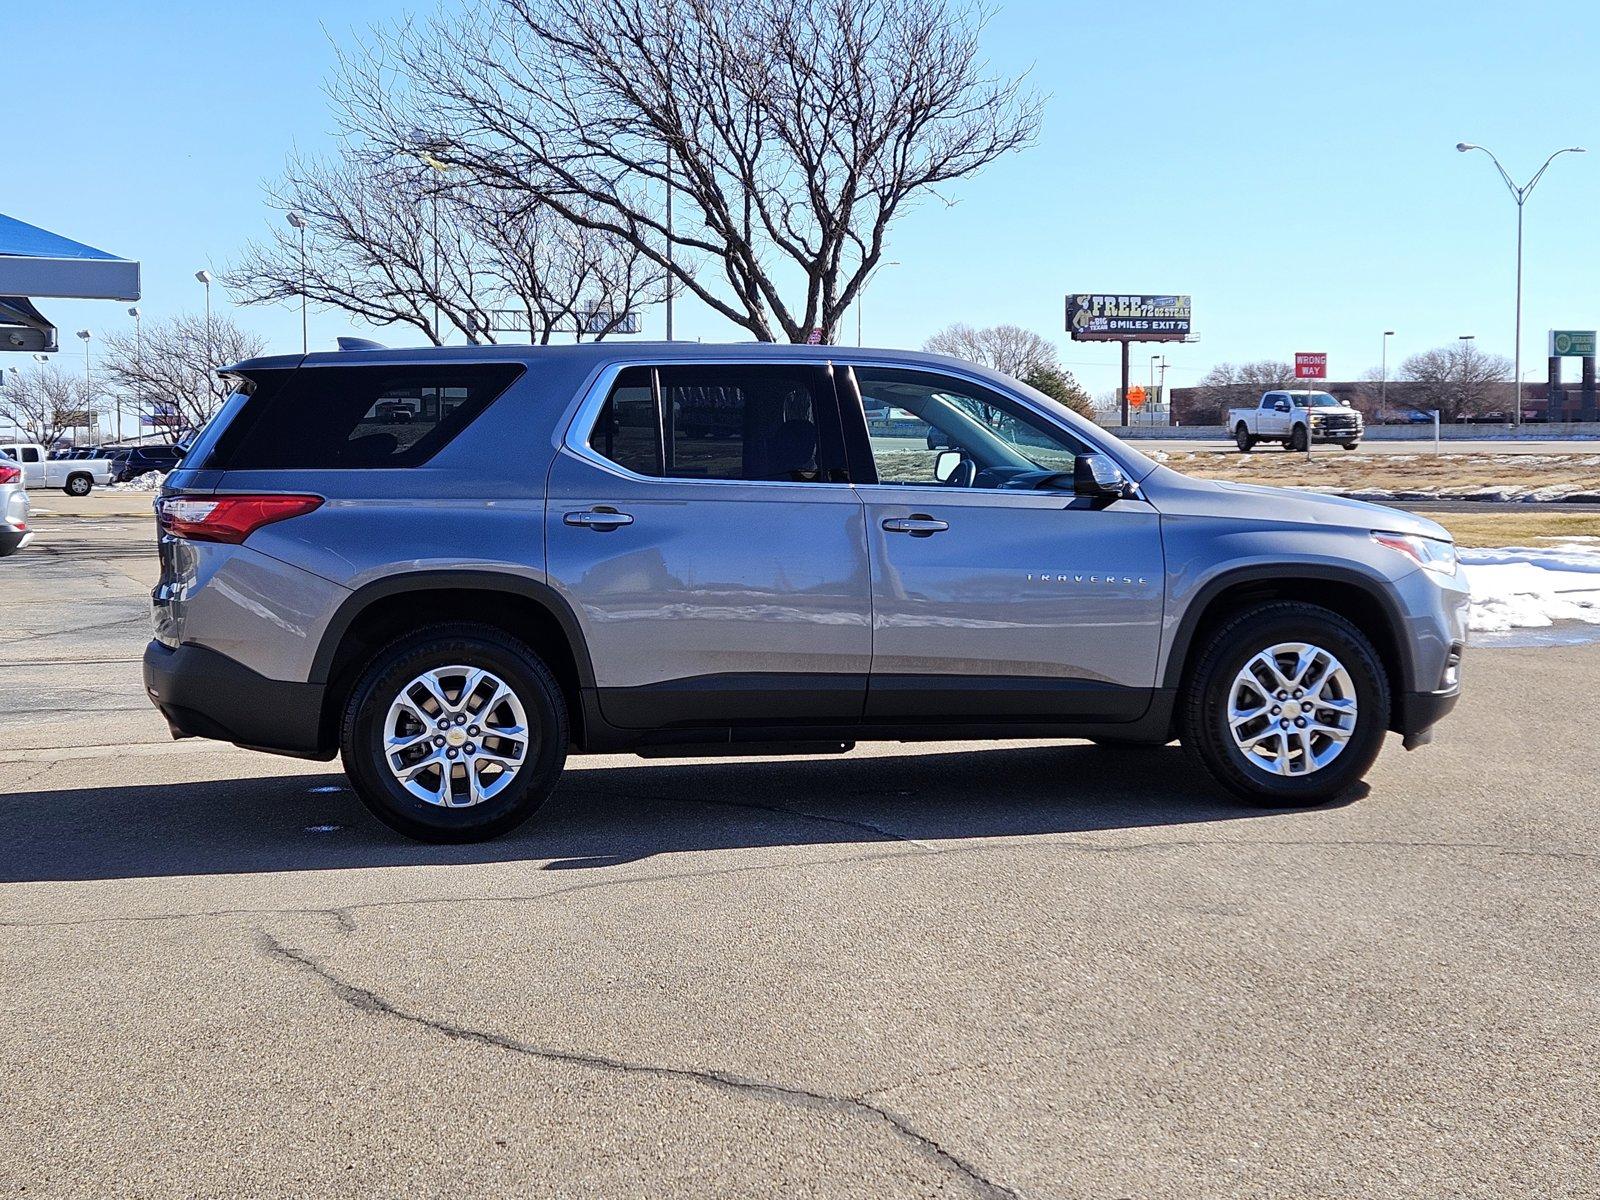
557, 564
1291, 417
75, 476
132, 461
14, 530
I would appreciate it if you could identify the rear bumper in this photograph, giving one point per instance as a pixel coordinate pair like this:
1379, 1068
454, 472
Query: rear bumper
205, 694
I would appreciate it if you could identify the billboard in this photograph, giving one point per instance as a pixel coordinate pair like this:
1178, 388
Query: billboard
1095, 318
1572, 343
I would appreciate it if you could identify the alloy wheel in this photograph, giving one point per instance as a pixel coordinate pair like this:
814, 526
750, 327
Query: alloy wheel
1292, 709
456, 736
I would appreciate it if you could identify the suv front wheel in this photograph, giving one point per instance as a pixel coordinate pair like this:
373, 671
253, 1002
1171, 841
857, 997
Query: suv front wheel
457, 733
1287, 706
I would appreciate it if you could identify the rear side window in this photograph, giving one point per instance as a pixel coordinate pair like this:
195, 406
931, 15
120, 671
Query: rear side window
333, 418
769, 423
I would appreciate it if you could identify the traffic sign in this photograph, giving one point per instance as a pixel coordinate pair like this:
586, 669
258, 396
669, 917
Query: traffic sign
1136, 396
1309, 365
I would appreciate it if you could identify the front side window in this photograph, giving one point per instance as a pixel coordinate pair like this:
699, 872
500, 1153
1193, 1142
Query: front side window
926, 428
755, 423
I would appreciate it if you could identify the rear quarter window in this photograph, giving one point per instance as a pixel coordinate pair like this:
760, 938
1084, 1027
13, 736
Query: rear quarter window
332, 418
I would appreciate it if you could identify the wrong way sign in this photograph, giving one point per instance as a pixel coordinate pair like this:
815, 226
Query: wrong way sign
1310, 365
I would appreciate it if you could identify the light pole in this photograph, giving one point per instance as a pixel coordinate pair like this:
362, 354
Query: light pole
88, 387
862, 294
423, 150
299, 223
669, 241
205, 278
138, 360
1520, 195
1383, 377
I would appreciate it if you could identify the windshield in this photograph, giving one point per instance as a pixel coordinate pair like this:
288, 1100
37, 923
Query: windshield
1316, 400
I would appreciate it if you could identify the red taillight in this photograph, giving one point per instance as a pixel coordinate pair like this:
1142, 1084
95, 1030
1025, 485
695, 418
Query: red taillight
228, 518
9, 474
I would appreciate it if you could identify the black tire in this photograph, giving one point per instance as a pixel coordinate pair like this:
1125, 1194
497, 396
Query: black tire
1243, 440
1349, 445
1204, 705
362, 732
1297, 439
79, 485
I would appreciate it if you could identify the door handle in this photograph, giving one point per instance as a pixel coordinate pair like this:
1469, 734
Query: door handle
918, 525
598, 518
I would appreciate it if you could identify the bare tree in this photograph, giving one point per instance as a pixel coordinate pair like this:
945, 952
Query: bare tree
1458, 379
1018, 352
556, 276
402, 242
44, 402
170, 375
1235, 385
792, 133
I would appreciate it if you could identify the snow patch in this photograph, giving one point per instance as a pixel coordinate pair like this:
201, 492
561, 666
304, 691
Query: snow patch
150, 481
1522, 587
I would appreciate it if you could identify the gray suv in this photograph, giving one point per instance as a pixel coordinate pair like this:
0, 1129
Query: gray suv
680, 549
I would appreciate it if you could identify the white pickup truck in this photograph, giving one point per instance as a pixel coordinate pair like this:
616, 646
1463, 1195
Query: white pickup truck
74, 476
1296, 419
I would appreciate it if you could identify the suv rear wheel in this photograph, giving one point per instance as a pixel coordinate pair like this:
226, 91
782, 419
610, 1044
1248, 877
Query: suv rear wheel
457, 733
1287, 706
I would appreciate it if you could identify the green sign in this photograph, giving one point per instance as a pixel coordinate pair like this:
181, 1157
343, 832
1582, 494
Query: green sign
1572, 343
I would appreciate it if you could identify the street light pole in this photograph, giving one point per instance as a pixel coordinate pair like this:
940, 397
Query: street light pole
88, 385
1520, 195
299, 223
861, 296
211, 352
138, 359
669, 242
1383, 377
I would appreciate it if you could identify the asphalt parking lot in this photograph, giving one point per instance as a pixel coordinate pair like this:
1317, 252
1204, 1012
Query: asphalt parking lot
1042, 970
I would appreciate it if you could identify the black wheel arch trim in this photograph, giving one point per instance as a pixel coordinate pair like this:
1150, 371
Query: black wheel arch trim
449, 579
1178, 656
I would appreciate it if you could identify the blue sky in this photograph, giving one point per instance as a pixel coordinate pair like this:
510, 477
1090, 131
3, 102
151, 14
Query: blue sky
1291, 167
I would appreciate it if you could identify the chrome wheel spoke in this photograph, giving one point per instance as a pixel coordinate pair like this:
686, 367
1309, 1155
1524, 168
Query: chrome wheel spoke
1292, 709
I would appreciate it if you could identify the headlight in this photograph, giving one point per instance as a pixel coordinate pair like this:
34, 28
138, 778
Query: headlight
1431, 554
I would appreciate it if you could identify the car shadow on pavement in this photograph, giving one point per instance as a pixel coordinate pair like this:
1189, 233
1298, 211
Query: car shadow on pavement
609, 811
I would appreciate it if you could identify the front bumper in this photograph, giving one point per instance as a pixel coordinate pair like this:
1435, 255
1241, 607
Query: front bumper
205, 694
1336, 435
1419, 712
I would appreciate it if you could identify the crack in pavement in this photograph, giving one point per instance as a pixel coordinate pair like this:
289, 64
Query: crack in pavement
782, 810
925, 852
368, 1001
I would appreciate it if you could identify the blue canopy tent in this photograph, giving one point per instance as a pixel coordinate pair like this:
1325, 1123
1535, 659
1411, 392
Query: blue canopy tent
37, 263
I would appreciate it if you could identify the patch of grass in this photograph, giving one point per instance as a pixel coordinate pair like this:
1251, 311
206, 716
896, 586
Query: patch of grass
1459, 473
1515, 529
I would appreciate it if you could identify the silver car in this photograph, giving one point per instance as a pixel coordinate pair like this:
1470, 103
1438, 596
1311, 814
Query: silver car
15, 533
687, 549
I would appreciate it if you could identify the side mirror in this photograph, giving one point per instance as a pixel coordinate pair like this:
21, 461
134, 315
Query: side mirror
1098, 476
945, 464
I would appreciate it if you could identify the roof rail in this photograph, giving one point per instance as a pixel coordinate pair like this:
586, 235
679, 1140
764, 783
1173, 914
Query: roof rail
355, 343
